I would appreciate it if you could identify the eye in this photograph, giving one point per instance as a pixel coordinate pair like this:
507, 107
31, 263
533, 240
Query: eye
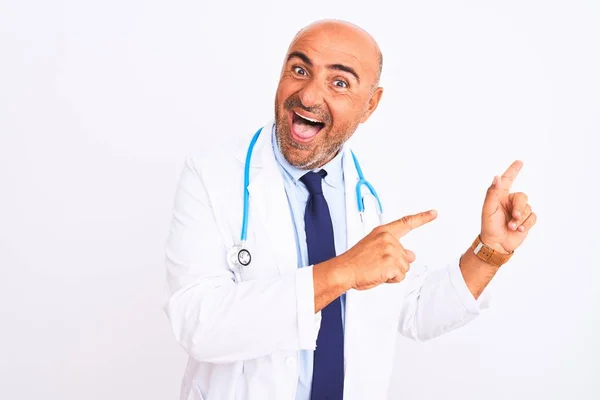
300, 71
340, 84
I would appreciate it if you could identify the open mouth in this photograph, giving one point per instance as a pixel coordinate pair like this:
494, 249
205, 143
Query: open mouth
305, 128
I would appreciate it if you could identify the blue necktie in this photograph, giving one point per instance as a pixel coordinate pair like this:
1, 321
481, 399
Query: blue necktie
328, 369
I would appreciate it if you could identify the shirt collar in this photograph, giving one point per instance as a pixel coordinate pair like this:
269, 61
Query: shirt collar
334, 168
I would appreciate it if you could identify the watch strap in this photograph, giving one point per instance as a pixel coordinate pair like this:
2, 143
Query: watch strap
489, 255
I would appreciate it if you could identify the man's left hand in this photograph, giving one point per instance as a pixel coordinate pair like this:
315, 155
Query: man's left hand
506, 217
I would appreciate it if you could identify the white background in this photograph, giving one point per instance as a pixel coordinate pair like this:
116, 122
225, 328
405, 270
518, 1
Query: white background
100, 102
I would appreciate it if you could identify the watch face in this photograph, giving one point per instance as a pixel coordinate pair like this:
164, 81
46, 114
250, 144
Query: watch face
244, 257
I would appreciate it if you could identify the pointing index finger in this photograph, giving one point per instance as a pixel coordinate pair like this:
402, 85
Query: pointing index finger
401, 227
511, 173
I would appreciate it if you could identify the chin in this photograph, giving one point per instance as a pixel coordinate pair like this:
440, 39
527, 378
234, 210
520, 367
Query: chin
294, 154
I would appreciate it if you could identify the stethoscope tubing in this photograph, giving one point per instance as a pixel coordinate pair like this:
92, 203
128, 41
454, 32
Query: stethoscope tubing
243, 252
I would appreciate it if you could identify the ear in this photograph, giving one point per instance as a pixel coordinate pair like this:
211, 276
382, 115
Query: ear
372, 105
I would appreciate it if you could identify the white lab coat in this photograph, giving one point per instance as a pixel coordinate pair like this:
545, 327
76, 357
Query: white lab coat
243, 331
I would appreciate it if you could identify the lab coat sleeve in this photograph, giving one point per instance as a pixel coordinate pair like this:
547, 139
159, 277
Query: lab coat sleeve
214, 318
438, 301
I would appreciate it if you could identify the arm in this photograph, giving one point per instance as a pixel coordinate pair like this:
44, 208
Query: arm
446, 299
214, 318
330, 281
437, 301
506, 219
219, 320
476, 272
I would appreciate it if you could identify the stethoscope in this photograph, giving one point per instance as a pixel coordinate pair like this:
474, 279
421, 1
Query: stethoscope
239, 256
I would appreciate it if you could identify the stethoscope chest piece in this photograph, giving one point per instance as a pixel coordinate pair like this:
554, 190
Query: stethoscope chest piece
239, 256
244, 257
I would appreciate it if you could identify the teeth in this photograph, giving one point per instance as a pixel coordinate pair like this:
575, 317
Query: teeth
309, 119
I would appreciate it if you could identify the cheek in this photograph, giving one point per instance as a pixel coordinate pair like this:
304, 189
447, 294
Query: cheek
346, 110
285, 89
343, 115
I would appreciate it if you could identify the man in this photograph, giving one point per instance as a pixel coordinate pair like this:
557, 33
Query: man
315, 315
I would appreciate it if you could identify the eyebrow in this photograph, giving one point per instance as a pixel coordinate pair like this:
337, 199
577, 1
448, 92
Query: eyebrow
337, 67
302, 56
345, 68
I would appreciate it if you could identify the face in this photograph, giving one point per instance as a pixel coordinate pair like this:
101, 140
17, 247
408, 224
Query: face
326, 89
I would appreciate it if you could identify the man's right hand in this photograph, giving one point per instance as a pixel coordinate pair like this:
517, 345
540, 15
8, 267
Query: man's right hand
378, 258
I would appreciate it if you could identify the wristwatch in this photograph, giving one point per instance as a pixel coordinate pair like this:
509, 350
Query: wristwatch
489, 255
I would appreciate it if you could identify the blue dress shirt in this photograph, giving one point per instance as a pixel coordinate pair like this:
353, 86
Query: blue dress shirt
297, 196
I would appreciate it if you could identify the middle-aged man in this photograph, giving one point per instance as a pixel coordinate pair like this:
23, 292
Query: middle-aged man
316, 312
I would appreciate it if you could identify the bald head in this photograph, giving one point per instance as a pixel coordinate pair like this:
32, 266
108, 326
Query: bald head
348, 32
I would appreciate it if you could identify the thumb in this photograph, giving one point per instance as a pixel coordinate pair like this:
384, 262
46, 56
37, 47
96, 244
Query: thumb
410, 256
492, 197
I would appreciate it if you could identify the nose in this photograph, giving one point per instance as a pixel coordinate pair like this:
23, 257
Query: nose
311, 95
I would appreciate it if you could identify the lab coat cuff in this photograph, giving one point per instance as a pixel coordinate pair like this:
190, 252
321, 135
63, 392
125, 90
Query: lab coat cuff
472, 305
305, 300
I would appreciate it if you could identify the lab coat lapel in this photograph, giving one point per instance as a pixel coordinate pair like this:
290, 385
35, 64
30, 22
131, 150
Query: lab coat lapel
269, 206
